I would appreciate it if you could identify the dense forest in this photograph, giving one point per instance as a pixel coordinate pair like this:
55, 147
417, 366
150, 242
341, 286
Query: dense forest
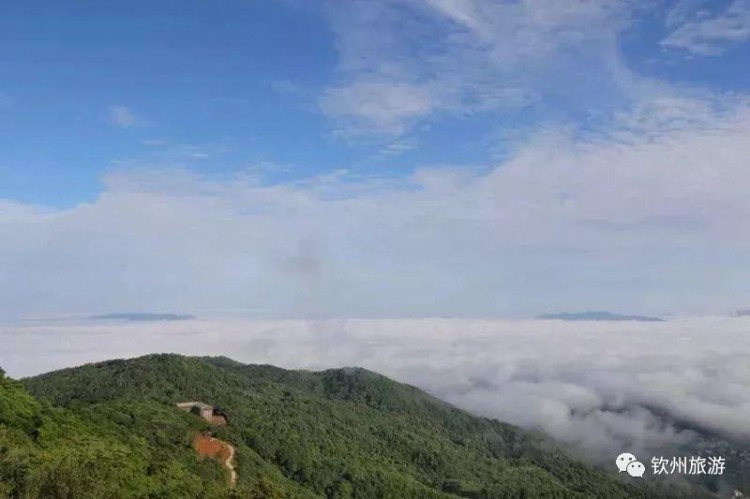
111, 430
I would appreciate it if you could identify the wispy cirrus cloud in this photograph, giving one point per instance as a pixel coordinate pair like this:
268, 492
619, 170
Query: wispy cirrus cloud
397, 147
159, 153
697, 29
382, 107
121, 116
401, 63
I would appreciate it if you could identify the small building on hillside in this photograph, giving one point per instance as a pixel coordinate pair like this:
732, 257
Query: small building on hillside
207, 412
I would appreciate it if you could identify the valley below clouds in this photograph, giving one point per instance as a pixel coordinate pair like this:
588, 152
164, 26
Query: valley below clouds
599, 387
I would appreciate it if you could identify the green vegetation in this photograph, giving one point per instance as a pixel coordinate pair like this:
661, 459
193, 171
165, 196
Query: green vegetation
114, 450
112, 430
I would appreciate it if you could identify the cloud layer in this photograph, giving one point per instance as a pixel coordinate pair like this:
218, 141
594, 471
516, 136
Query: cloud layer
649, 216
601, 387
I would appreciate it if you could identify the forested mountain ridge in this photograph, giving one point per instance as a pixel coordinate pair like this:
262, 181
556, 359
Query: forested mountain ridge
112, 430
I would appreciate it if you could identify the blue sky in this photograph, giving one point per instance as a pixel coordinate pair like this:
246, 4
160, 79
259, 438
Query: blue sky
238, 79
419, 103
183, 72
232, 81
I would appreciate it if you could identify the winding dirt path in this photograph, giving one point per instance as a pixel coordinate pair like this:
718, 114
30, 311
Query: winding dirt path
229, 463
207, 446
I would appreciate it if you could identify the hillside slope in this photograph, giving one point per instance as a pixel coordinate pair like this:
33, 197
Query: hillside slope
52, 452
337, 433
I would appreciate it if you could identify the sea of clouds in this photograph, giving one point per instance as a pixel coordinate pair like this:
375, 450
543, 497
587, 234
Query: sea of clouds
600, 387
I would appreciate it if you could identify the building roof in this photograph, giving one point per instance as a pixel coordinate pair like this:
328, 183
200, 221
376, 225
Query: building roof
189, 405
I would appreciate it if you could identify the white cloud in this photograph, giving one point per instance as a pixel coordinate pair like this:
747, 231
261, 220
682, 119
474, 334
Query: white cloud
702, 32
398, 147
384, 107
401, 62
650, 216
121, 116
601, 387
161, 153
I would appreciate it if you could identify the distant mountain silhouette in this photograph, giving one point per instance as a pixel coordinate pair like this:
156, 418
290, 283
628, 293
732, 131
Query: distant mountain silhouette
143, 317
598, 316
742, 313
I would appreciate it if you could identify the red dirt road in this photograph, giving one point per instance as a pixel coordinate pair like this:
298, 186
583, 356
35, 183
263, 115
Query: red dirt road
213, 448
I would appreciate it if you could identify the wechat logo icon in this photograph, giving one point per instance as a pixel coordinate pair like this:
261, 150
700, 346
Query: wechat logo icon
628, 463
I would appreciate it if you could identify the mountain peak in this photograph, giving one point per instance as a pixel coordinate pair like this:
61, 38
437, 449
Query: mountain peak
600, 315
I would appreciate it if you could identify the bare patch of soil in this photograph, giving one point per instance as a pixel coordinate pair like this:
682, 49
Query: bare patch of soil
213, 448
